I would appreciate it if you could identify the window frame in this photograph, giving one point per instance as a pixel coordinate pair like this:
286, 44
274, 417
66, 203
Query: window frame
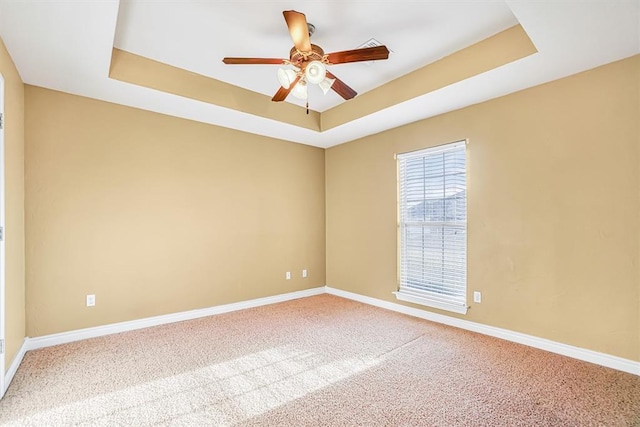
425, 297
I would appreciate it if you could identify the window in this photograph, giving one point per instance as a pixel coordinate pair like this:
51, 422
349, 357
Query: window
433, 227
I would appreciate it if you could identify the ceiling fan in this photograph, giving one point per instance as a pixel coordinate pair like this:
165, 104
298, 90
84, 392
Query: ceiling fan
310, 62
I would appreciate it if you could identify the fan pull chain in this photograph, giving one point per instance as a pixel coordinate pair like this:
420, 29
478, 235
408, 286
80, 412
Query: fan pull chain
307, 107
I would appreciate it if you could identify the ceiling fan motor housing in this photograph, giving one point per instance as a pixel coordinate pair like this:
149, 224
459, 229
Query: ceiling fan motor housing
299, 59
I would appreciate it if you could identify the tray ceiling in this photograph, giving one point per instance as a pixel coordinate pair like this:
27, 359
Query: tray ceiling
74, 46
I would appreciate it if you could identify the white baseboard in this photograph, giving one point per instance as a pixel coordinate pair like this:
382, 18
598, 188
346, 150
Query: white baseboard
13, 368
82, 334
602, 359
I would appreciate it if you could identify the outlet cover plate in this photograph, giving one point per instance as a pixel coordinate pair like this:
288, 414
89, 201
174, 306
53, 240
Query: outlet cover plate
477, 296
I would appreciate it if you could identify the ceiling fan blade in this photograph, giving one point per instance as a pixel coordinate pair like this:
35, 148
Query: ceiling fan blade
356, 55
341, 87
253, 61
282, 93
298, 29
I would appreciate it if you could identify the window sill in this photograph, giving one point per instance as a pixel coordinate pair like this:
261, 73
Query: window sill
426, 301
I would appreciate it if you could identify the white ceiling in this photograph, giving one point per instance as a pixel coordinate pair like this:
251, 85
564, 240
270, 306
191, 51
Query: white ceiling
66, 45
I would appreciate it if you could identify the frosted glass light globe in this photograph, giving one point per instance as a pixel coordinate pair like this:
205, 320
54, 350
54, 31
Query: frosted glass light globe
315, 72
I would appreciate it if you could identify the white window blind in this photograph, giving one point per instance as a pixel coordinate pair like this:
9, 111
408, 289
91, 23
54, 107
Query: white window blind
433, 227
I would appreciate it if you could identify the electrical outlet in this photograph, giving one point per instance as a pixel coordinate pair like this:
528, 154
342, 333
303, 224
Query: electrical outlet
287, 275
304, 273
91, 300
477, 297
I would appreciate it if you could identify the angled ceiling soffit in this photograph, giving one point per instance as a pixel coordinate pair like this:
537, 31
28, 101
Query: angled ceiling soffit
498, 50
138, 70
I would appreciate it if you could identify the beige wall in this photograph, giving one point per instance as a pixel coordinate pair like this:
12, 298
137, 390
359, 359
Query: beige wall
553, 209
156, 215
14, 205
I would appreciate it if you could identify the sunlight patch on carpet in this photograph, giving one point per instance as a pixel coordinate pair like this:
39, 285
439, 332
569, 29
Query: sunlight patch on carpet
220, 394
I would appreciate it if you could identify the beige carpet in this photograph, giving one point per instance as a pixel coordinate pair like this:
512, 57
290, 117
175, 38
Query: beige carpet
316, 361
